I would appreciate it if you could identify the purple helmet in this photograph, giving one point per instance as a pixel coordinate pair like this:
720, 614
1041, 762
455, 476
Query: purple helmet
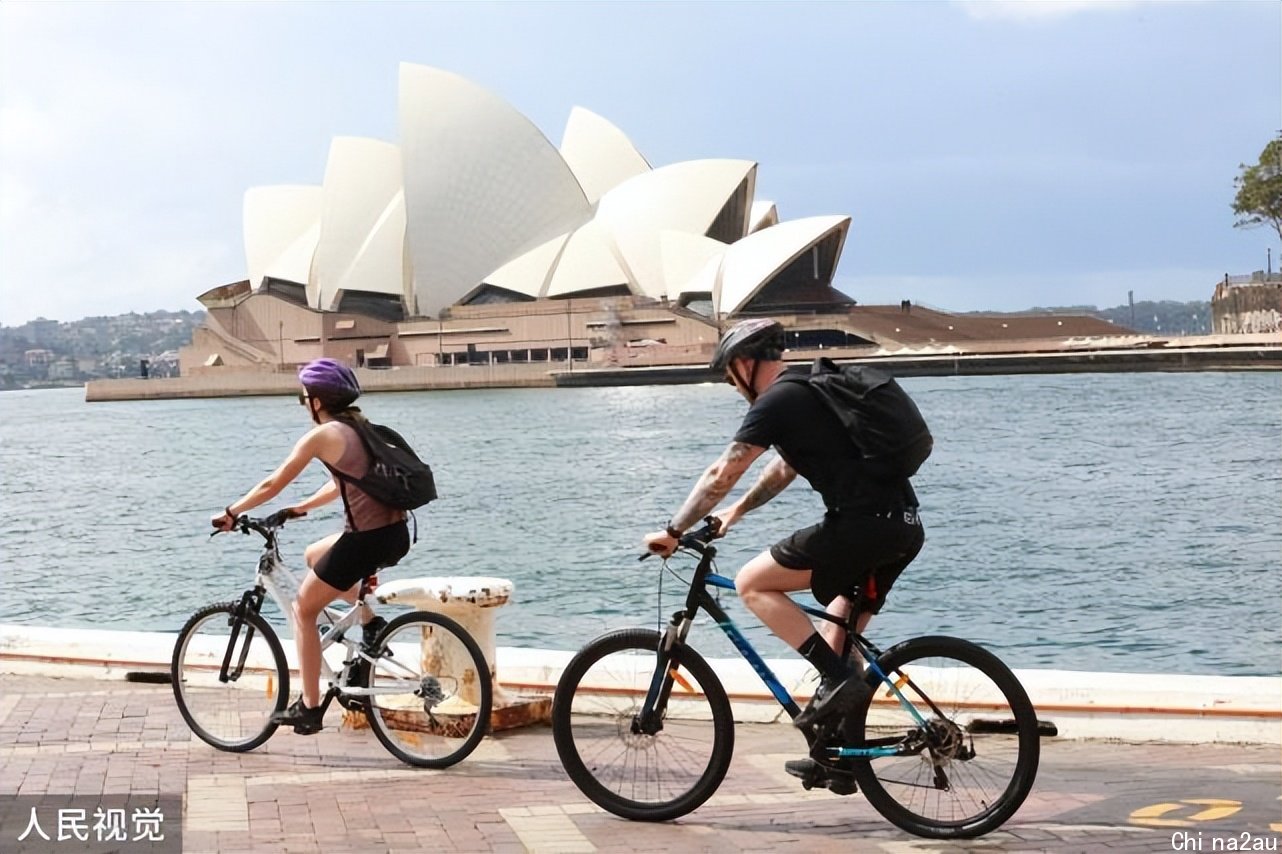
331, 382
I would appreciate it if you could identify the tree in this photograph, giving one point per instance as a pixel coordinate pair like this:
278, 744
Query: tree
1259, 190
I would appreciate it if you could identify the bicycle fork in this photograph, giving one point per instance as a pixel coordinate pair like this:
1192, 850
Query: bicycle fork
250, 603
649, 720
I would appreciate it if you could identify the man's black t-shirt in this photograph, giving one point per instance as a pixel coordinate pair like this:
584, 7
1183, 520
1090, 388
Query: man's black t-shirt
790, 417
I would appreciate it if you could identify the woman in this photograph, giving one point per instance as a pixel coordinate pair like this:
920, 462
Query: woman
375, 535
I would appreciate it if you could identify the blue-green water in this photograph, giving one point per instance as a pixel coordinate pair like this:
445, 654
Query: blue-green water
1126, 522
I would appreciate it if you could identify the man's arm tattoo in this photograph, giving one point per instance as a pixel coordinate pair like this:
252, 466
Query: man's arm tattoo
715, 484
773, 480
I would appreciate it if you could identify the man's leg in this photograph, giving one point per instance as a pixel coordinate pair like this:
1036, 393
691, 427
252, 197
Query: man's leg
763, 585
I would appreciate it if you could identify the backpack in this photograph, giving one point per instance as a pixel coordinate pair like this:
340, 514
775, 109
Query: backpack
396, 476
878, 415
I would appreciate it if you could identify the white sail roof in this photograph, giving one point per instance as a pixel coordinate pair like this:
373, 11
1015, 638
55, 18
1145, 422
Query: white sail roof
599, 154
281, 225
589, 261
482, 184
690, 196
748, 265
530, 273
685, 256
362, 233
763, 215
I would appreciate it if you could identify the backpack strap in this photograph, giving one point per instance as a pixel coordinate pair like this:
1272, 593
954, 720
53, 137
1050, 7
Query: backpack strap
342, 491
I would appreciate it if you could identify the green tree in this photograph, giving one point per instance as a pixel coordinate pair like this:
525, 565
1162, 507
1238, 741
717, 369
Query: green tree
1259, 190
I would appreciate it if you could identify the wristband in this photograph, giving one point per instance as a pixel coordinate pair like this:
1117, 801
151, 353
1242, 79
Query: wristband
671, 531
230, 515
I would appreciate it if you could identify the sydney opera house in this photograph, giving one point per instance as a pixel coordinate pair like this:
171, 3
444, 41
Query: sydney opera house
473, 239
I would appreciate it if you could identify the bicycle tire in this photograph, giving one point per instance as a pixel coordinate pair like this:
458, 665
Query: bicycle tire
443, 719
973, 711
581, 710
225, 715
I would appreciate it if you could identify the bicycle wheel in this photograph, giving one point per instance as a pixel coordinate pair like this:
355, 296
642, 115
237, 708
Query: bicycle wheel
971, 763
234, 714
635, 775
431, 691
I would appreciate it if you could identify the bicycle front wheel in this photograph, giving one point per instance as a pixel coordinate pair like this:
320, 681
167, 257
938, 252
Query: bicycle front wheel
229, 677
430, 691
966, 765
647, 772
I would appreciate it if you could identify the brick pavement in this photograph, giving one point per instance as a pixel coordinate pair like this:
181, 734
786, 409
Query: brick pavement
340, 791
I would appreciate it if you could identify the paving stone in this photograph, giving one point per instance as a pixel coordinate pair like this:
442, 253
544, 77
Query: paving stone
340, 791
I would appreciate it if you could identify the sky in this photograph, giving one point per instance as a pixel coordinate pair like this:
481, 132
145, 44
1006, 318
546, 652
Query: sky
992, 155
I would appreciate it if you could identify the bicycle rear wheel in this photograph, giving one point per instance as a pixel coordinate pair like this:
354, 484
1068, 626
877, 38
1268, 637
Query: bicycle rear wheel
431, 691
609, 755
971, 762
234, 714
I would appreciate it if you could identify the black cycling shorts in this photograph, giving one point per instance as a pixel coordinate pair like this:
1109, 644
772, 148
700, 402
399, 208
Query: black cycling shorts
848, 549
360, 554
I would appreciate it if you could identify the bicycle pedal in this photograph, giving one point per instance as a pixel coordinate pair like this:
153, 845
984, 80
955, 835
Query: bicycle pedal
842, 787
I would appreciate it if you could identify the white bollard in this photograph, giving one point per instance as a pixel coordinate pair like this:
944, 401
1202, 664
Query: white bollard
473, 602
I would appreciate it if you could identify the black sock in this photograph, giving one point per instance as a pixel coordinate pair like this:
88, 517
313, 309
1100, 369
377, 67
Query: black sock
816, 650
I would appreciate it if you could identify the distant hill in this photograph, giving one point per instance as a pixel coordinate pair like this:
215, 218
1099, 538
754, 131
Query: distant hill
1158, 318
49, 352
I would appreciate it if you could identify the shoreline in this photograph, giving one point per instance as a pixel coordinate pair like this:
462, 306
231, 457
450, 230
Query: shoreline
1081, 704
1187, 356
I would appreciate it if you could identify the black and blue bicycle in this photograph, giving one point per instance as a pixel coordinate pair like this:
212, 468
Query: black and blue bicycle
946, 746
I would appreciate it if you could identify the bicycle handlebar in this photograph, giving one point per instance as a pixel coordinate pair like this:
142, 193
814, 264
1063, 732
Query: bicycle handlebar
265, 527
697, 540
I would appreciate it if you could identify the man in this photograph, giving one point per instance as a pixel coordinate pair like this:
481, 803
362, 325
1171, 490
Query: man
869, 533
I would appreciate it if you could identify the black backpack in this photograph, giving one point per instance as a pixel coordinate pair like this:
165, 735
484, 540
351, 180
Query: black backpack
878, 415
396, 476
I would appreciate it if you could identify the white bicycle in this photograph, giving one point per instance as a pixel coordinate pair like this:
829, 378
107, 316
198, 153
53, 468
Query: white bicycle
423, 683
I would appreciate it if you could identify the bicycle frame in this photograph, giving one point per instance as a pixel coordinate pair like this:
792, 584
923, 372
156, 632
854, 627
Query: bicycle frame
699, 598
273, 578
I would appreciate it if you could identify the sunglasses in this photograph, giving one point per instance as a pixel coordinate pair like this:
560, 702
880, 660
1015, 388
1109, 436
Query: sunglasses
303, 397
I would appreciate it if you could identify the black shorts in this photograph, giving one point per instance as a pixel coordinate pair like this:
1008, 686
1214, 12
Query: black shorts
360, 554
848, 548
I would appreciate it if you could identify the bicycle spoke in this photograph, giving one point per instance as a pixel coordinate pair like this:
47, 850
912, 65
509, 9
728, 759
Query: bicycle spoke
638, 774
953, 783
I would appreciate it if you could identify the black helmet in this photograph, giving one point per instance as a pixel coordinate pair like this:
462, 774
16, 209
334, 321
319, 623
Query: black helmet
749, 339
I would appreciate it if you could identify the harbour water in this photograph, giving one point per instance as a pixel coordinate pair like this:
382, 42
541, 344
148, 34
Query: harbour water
1127, 522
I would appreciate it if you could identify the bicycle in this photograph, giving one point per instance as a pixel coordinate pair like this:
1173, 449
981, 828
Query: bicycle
423, 683
946, 745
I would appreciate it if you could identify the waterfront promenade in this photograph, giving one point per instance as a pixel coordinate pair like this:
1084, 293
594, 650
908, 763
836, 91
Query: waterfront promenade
340, 791
1203, 353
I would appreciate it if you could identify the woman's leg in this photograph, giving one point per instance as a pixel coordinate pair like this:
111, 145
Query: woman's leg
313, 596
317, 550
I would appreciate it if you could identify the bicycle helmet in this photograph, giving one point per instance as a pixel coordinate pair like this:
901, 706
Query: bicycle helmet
331, 382
761, 338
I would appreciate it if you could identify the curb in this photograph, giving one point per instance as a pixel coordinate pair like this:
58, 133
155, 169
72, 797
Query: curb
1119, 706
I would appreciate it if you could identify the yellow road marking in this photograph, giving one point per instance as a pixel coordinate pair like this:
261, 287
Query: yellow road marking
1215, 808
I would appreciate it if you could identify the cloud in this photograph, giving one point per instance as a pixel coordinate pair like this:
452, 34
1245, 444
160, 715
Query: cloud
99, 208
1038, 11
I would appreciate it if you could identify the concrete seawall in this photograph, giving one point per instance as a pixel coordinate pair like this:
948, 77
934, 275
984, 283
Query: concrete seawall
1124, 706
1256, 355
